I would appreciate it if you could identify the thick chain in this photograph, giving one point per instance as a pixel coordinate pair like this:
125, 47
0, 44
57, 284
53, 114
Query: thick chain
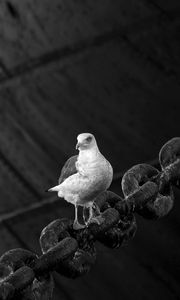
147, 191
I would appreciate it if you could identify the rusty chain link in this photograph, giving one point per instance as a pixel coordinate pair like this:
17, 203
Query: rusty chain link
147, 191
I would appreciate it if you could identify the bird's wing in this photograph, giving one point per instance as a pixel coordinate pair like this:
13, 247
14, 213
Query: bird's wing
68, 169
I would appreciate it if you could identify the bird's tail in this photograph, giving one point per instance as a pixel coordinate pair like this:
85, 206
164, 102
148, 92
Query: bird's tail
54, 189
58, 189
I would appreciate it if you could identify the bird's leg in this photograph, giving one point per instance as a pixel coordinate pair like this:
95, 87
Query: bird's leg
76, 224
85, 214
88, 209
94, 214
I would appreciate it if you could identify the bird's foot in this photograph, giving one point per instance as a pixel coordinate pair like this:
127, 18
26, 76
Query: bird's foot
77, 225
97, 220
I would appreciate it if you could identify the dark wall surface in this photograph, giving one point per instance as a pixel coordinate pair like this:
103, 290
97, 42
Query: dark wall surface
107, 67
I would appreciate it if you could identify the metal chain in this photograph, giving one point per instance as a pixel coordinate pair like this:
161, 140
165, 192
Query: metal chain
147, 191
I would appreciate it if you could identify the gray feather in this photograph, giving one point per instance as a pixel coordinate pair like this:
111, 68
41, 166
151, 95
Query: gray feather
68, 169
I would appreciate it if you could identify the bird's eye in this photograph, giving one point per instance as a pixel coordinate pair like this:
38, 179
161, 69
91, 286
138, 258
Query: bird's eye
89, 139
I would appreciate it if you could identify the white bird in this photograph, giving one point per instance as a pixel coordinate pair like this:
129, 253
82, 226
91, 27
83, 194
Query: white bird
84, 177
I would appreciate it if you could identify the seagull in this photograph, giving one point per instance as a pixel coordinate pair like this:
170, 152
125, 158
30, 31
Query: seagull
84, 177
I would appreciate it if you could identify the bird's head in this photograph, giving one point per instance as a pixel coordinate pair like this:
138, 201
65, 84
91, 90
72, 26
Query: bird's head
85, 141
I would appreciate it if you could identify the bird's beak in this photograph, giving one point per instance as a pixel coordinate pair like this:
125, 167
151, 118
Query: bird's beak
77, 145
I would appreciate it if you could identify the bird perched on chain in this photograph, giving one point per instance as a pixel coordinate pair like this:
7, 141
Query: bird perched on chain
84, 177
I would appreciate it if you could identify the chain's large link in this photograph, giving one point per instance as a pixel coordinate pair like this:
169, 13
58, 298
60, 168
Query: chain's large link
20, 279
81, 260
135, 181
169, 158
25, 274
147, 191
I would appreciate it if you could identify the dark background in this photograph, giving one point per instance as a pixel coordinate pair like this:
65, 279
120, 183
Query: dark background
100, 66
